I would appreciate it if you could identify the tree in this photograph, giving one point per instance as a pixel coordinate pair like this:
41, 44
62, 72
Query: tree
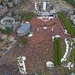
22, 13
66, 23
23, 41
29, 16
13, 14
10, 0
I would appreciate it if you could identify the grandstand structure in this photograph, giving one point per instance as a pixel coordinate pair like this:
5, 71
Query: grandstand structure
45, 10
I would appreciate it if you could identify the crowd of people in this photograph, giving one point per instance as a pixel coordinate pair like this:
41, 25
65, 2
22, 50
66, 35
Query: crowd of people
39, 49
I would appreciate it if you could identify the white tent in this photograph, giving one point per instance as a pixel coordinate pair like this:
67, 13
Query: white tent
49, 64
44, 5
21, 64
57, 36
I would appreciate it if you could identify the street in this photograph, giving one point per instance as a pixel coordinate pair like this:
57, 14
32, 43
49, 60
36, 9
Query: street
60, 4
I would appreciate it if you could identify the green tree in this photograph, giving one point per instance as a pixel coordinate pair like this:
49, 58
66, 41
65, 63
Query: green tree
23, 41
57, 52
71, 2
66, 23
13, 14
22, 13
4, 31
29, 16
10, 0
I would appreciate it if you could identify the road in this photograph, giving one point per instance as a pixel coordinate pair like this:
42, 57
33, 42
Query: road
30, 6
60, 4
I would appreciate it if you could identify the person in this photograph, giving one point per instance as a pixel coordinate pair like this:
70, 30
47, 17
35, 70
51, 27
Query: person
37, 29
52, 29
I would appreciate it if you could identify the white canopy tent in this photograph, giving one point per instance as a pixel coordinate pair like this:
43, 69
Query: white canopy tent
49, 64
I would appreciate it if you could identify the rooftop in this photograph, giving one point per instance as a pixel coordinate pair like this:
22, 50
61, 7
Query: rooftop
23, 28
2, 7
8, 21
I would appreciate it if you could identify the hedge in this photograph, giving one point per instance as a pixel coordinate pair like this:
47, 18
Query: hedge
57, 51
66, 23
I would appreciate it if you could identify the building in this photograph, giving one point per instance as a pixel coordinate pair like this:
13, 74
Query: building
5, 3
36, 6
10, 4
45, 10
73, 18
3, 9
7, 23
70, 12
24, 29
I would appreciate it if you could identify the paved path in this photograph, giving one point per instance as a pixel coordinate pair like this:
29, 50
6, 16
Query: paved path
58, 5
